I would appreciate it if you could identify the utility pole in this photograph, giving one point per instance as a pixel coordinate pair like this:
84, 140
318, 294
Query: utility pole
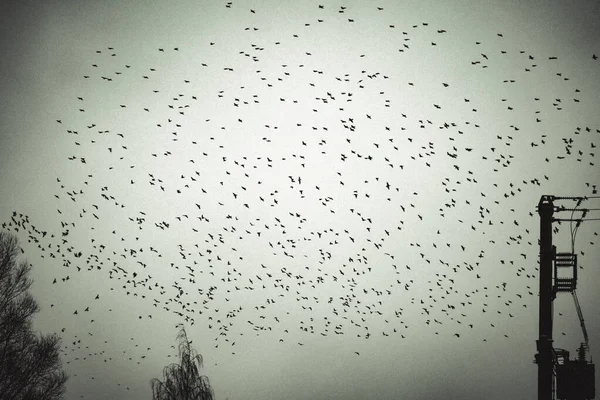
545, 356
574, 378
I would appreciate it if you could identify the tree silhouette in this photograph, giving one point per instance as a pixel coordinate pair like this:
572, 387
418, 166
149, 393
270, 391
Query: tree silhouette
30, 366
183, 381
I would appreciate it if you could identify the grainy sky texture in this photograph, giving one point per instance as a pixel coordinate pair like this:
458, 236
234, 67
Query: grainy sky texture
337, 199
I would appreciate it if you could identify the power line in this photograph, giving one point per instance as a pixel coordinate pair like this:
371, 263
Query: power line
577, 209
575, 219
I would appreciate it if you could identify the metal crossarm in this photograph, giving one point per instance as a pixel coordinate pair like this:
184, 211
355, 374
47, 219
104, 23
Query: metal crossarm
562, 261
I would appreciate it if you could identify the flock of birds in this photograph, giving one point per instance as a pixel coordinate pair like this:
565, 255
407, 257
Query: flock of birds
313, 201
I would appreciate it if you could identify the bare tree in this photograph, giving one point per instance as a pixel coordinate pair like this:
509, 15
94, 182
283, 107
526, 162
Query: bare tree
183, 381
30, 366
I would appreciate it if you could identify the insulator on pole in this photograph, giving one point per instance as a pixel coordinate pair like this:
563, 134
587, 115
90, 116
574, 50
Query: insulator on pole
581, 352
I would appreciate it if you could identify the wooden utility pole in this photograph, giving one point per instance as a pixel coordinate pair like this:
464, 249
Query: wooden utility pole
545, 356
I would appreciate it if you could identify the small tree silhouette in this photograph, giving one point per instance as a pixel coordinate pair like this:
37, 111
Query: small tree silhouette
30, 366
183, 381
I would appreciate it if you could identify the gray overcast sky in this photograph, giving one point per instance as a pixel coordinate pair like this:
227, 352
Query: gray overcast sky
297, 185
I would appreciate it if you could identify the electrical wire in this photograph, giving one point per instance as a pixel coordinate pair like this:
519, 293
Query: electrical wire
574, 209
574, 219
574, 231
